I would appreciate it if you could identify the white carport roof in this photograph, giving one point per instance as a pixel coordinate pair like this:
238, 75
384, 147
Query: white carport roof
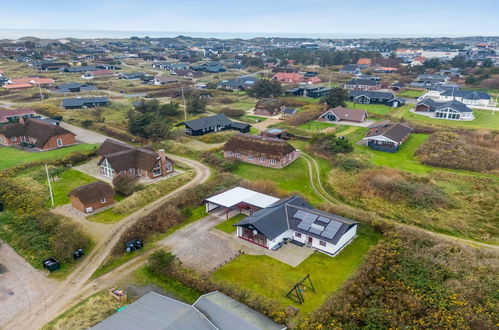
238, 195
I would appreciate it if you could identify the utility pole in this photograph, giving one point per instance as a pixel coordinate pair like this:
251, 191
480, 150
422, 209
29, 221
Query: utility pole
50, 186
185, 107
330, 74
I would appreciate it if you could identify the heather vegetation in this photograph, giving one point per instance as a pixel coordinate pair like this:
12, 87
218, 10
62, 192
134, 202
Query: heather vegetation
445, 149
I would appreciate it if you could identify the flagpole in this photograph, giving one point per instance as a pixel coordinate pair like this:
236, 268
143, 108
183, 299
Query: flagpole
50, 186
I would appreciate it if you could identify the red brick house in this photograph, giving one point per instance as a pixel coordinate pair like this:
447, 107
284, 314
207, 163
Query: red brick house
260, 150
118, 157
344, 114
16, 115
41, 134
269, 107
288, 77
92, 197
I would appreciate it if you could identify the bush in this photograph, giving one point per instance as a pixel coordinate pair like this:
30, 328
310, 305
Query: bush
125, 183
329, 144
351, 164
223, 164
445, 149
87, 123
160, 262
217, 137
303, 117
23, 196
232, 113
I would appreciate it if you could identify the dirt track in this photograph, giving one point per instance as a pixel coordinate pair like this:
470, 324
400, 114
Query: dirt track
69, 290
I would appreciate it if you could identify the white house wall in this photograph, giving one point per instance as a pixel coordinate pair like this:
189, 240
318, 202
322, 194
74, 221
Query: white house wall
288, 233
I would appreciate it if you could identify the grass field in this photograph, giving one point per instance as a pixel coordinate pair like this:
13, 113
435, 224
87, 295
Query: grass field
227, 225
403, 159
483, 119
252, 119
11, 157
68, 180
378, 109
292, 178
411, 94
272, 278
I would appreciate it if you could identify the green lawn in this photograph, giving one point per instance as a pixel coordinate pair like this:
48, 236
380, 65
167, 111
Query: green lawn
252, 119
403, 159
483, 119
12, 157
292, 178
107, 216
171, 286
378, 109
272, 278
69, 180
411, 94
227, 225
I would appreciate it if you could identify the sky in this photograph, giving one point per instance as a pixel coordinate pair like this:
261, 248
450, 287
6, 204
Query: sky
259, 17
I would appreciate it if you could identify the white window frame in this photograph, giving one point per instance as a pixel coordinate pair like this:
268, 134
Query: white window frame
14, 138
238, 155
103, 200
261, 159
23, 138
250, 157
323, 243
156, 171
272, 162
59, 142
229, 153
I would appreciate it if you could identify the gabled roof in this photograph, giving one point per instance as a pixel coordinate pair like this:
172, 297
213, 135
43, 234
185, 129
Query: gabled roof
259, 145
123, 157
364, 61
40, 130
468, 95
395, 132
81, 101
347, 114
242, 81
371, 94
435, 106
238, 195
290, 212
351, 67
92, 192
363, 82
206, 122
5, 114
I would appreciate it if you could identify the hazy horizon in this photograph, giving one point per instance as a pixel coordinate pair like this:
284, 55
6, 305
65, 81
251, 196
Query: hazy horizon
409, 18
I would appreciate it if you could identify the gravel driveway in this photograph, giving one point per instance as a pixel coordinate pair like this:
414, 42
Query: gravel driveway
85, 135
21, 286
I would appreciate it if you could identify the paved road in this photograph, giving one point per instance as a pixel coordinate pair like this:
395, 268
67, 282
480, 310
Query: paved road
85, 135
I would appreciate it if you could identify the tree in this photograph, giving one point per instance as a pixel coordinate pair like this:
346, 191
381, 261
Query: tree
329, 144
160, 261
87, 123
169, 110
125, 183
431, 63
265, 88
336, 97
253, 61
98, 114
487, 63
195, 105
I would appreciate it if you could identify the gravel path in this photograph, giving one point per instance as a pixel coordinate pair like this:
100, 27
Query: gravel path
21, 286
85, 135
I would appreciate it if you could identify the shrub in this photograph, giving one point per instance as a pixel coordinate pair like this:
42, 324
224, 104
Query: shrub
232, 113
22, 195
303, 117
351, 164
160, 262
264, 187
125, 183
445, 149
87, 123
329, 144
223, 164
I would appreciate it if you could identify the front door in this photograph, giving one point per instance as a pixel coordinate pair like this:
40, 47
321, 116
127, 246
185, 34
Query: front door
310, 240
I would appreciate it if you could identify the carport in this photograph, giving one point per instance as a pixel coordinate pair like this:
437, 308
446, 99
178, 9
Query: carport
239, 199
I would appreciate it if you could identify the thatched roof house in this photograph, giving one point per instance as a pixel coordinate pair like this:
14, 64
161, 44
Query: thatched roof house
260, 150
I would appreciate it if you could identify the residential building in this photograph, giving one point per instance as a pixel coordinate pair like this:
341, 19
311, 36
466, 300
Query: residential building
78, 69
385, 69
238, 84
39, 134
260, 150
309, 91
213, 124
354, 69
388, 137
453, 110
92, 197
85, 102
294, 219
118, 157
15, 116
472, 98
187, 73
164, 80
344, 114
74, 87
98, 73
131, 76
212, 311
269, 107
276, 133
397, 87
362, 85
288, 78
289, 112
364, 61
375, 97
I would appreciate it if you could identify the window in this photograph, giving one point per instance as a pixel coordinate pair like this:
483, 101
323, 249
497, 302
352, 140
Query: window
261, 159
59, 142
157, 170
238, 155
106, 169
14, 138
297, 234
229, 153
23, 138
272, 161
322, 243
250, 157
131, 171
139, 172
103, 200
169, 167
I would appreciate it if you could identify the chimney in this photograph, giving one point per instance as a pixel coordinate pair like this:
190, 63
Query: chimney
162, 157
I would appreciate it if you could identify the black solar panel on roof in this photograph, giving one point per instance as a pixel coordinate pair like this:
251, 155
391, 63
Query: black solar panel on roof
300, 214
310, 217
304, 225
333, 225
315, 231
324, 219
328, 234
